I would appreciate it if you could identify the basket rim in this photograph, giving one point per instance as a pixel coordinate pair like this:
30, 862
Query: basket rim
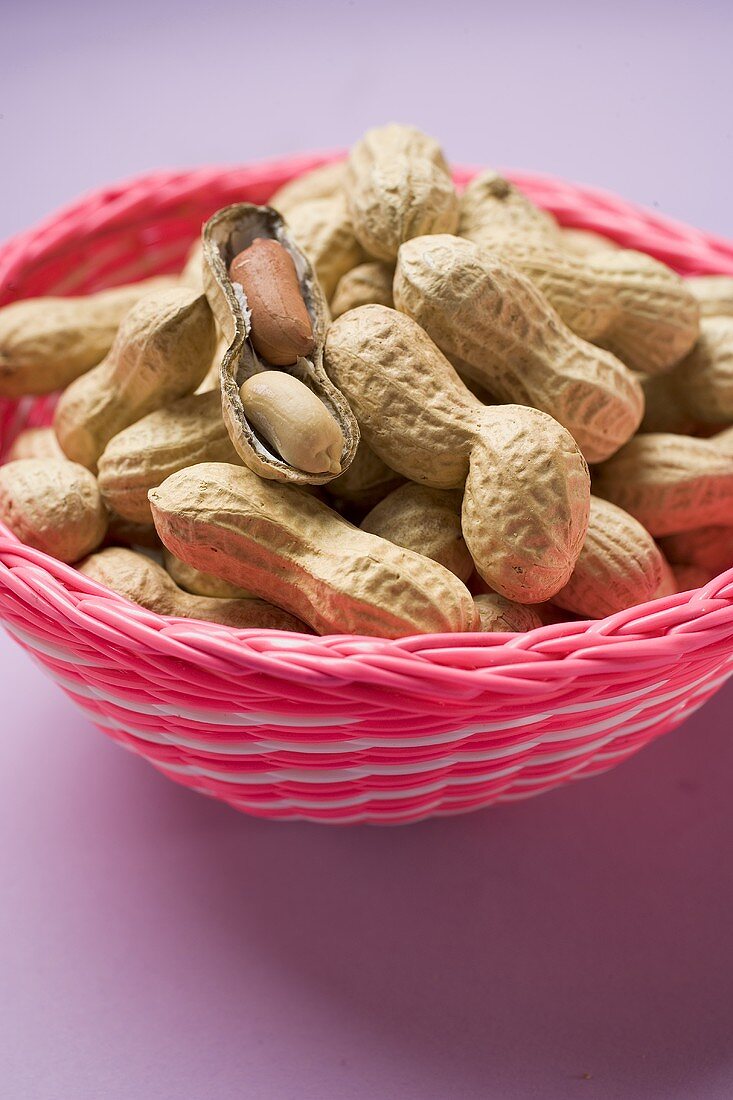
655, 632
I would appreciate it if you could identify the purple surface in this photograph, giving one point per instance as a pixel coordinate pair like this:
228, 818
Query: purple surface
154, 944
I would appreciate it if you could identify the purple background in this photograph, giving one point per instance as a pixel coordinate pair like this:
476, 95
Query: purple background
155, 944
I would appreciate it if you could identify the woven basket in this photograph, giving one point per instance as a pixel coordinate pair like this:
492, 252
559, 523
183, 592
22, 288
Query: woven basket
345, 729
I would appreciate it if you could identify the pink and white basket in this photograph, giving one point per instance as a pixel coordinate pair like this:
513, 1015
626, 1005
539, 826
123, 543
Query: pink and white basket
345, 729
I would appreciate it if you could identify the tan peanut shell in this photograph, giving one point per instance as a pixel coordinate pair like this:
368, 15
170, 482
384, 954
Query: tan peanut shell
493, 210
367, 481
709, 548
714, 294
670, 483
45, 343
202, 584
477, 307
499, 615
723, 441
193, 271
586, 242
161, 352
619, 566
630, 303
294, 551
366, 284
146, 583
526, 502
323, 229
668, 584
52, 505
427, 521
703, 381
323, 182
35, 443
414, 411
225, 235
212, 378
398, 186
137, 459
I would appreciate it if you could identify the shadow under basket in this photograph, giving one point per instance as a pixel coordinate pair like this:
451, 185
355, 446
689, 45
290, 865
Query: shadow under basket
345, 729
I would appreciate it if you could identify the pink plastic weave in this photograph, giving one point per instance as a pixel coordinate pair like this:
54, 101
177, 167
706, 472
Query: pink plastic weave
345, 729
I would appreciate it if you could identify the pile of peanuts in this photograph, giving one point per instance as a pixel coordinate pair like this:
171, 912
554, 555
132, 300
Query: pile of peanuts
371, 407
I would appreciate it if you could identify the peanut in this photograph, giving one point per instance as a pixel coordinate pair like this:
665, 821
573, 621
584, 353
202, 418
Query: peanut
201, 584
52, 505
290, 417
193, 272
586, 242
212, 378
364, 285
714, 293
289, 548
281, 329
229, 232
501, 616
670, 483
138, 458
525, 508
324, 231
703, 382
425, 520
398, 186
143, 581
620, 565
35, 443
367, 481
630, 303
475, 306
320, 183
45, 343
162, 351
668, 583
709, 548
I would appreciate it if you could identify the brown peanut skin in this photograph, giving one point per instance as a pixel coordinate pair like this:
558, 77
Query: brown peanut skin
710, 548
413, 410
52, 505
45, 343
398, 186
138, 458
526, 503
35, 443
477, 307
162, 351
281, 328
366, 284
499, 615
624, 300
619, 566
670, 483
292, 550
143, 581
426, 521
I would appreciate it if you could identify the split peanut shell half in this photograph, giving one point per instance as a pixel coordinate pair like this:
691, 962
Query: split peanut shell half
225, 235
